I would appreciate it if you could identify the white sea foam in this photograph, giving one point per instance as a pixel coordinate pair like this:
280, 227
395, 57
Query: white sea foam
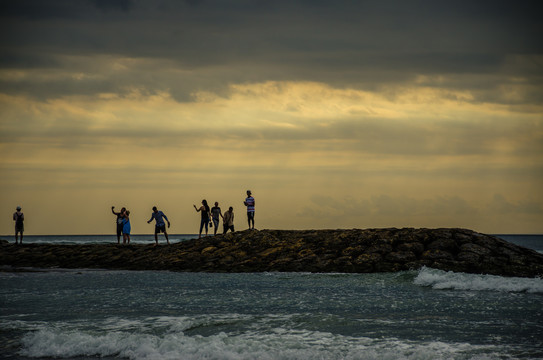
439, 279
279, 343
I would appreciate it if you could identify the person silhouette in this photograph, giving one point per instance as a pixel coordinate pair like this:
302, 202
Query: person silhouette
119, 221
19, 219
250, 203
228, 220
205, 216
215, 213
160, 226
126, 228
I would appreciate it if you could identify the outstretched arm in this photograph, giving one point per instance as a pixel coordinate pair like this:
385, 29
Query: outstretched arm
113, 211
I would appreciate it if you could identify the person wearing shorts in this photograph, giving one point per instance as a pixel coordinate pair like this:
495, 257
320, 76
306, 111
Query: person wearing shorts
160, 226
19, 219
215, 213
119, 221
250, 203
228, 220
204, 221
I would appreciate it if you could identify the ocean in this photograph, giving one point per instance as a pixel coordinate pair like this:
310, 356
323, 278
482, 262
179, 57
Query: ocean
425, 314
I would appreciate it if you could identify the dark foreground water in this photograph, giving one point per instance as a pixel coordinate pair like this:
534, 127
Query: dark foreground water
425, 314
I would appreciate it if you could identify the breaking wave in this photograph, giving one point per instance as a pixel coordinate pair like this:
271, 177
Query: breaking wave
281, 343
439, 279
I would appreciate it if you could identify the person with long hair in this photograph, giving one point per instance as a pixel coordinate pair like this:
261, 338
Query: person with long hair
205, 210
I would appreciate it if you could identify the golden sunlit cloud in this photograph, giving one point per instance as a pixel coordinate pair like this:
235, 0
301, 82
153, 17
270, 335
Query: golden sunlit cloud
334, 115
286, 139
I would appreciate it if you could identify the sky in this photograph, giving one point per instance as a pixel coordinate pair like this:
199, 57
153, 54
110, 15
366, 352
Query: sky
335, 114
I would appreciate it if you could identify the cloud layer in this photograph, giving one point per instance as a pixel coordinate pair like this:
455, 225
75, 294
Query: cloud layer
336, 114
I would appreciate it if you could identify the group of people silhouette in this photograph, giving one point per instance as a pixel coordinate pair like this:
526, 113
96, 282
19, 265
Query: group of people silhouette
210, 217
123, 225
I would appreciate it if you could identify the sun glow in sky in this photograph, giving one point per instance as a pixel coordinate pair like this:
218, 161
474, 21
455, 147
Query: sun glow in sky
335, 114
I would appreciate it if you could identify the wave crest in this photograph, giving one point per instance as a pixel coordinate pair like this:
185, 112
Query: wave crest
280, 343
439, 279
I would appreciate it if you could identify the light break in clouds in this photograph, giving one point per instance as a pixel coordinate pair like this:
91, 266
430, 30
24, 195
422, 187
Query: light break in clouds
335, 114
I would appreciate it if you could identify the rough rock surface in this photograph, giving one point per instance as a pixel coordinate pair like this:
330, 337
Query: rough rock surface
362, 251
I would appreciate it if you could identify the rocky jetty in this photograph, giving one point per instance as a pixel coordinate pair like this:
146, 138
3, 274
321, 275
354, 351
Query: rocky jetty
359, 251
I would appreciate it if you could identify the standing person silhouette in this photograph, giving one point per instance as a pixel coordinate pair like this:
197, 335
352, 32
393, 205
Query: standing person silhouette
228, 220
160, 226
250, 203
215, 213
120, 217
126, 228
19, 219
205, 216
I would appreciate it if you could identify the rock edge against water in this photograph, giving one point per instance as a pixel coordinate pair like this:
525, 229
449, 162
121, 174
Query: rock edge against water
350, 251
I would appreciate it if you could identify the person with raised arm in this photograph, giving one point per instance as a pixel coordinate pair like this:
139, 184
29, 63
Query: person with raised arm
205, 216
119, 221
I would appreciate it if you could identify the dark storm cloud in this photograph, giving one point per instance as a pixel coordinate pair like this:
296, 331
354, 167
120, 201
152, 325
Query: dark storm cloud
302, 27
107, 5
11, 10
58, 9
362, 44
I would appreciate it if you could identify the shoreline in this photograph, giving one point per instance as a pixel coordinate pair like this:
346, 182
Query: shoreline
348, 251
9, 237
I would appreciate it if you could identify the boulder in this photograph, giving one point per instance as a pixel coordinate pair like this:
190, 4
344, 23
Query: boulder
355, 250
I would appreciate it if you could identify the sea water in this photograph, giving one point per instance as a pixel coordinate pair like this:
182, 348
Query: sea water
99, 239
425, 314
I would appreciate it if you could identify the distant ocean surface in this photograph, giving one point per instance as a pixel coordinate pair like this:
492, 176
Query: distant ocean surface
426, 314
97, 239
530, 241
